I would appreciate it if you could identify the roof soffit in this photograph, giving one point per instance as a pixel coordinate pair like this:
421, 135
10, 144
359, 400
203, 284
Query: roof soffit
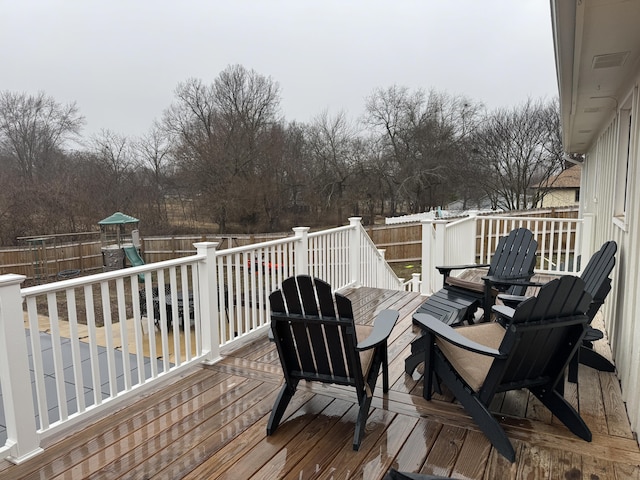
606, 36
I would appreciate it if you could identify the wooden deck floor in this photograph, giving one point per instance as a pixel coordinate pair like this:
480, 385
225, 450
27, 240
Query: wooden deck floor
211, 424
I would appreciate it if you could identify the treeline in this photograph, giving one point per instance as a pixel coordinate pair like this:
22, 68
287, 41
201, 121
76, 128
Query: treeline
223, 158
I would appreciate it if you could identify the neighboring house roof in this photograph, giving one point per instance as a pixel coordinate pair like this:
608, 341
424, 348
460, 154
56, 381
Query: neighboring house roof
569, 178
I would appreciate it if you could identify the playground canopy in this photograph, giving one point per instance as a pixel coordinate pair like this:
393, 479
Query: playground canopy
118, 218
117, 230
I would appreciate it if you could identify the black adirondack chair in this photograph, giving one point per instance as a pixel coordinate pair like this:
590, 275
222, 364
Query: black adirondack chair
598, 285
541, 336
511, 266
318, 340
510, 271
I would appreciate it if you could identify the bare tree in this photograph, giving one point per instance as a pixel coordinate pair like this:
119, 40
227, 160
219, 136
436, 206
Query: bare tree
420, 135
516, 149
221, 132
332, 143
34, 129
114, 158
153, 151
247, 103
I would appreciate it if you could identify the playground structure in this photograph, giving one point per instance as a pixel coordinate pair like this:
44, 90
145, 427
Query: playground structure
132, 254
120, 239
121, 248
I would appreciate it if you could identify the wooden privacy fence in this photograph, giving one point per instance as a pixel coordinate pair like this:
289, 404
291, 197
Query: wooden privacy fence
52, 257
44, 257
157, 249
401, 242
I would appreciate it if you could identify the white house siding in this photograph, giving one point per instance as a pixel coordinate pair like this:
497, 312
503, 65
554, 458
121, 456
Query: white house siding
622, 308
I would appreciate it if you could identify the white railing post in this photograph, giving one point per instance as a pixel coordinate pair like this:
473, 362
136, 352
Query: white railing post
428, 243
584, 242
440, 250
473, 232
302, 250
415, 282
22, 436
208, 294
433, 253
380, 271
354, 251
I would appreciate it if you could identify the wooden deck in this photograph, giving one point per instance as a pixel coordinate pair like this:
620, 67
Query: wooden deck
211, 424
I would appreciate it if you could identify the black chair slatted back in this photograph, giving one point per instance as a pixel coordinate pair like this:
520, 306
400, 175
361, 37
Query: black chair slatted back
324, 339
542, 337
511, 256
599, 267
514, 255
596, 275
558, 298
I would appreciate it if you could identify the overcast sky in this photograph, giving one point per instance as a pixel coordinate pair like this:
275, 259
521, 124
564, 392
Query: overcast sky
121, 60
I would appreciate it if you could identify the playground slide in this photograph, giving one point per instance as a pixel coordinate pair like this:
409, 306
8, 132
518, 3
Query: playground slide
133, 256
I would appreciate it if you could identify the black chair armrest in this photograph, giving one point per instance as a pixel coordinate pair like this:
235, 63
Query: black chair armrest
502, 283
512, 301
450, 335
446, 270
382, 326
504, 313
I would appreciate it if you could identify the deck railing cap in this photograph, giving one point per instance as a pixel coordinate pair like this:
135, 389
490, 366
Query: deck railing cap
11, 279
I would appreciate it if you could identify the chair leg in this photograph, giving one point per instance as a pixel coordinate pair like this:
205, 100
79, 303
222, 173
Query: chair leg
284, 397
470, 316
593, 359
487, 303
563, 410
385, 367
572, 371
427, 356
412, 362
419, 344
478, 411
418, 347
589, 357
560, 386
361, 422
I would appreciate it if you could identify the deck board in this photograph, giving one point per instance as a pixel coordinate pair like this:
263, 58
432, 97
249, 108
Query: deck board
211, 424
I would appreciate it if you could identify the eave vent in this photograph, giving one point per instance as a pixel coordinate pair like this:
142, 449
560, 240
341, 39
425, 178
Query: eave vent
610, 60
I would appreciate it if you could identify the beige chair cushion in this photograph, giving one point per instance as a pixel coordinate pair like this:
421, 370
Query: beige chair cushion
466, 284
473, 367
366, 356
469, 285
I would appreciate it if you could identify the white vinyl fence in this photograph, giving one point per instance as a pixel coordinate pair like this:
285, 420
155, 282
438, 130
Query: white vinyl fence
473, 240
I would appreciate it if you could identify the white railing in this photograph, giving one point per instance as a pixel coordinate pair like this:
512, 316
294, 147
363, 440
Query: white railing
330, 256
89, 343
474, 239
247, 276
446, 243
557, 240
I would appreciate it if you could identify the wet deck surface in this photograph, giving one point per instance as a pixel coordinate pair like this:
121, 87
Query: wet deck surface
211, 423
